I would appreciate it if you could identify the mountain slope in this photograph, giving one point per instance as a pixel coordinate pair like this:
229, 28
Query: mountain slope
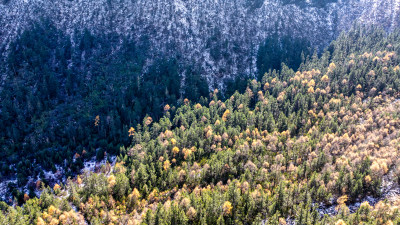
222, 36
293, 146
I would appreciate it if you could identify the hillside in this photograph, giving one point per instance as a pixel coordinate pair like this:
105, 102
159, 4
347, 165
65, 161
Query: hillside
67, 64
315, 146
221, 36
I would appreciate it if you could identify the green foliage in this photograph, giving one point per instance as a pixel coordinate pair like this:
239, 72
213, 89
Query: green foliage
277, 50
57, 85
325, 135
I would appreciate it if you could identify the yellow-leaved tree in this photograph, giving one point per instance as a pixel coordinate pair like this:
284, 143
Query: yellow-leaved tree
227, 208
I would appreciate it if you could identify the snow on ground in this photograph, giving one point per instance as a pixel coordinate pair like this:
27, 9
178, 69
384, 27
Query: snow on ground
93, 166
52, 177
198, 28
4, 187
390, 190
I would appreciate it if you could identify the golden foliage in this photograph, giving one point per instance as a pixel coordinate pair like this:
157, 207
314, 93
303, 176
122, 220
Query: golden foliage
340, 222
52, 210
56, 187
368, 179
166, 164
26, 197
325, 78
281, 96
365, 205
131, 132
119, 167
379, 168
186, 101
311, 83
342, 200
135, 193
40, 221
227, 208
197, 106
332, 66
226, 114
175, 150
54, 221
149, 120
371, 73
187, 153
97, 121
173, 141
111, 181
212, 103
282, 221
191, 213
266, 86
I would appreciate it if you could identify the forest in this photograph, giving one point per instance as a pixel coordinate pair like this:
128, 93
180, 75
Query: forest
59, 86
291, 144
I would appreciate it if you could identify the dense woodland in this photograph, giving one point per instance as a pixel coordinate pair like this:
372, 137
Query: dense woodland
293, 141
58, 87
